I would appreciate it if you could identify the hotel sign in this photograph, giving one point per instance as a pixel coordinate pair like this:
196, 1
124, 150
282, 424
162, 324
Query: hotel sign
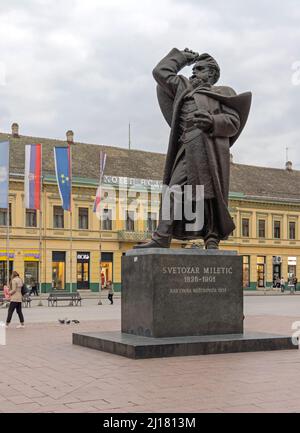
132, 181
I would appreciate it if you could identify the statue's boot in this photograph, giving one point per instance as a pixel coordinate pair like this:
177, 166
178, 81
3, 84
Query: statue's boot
212, 244
163, 243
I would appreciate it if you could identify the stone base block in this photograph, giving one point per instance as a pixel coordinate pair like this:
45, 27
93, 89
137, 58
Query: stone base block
139, 347
179, 292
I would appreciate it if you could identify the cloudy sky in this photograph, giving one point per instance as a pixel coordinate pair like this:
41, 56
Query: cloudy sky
86, 65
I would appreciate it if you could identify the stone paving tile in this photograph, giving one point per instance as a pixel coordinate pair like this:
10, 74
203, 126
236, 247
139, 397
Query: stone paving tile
246, 408
60, 377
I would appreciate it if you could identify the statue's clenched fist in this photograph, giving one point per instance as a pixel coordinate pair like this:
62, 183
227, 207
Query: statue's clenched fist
190, 55
203, 120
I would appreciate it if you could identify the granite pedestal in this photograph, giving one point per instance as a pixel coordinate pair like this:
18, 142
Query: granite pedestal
174, 293
179, 302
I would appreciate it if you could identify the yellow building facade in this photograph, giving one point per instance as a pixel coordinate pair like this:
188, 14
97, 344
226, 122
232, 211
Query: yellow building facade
44, 248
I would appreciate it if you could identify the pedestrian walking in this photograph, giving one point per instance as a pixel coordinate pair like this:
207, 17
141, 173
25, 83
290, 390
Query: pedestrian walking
15, 294
295, 282
33, 290
282, 284
109, 285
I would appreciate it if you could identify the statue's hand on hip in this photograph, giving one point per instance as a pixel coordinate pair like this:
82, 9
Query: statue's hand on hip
203, 120
191, 56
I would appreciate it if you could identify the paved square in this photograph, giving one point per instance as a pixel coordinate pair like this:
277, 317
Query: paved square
44, 372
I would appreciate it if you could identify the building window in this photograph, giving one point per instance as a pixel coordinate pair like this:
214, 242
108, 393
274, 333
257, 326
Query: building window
83, 218
58, 217
246, 271
58, 270
31, 274
3, 271
107, 219
106, 268
261, 228
233, 233
151, 222
277, 225
31, 218
292, 230
130, 221
3, 216
245, 227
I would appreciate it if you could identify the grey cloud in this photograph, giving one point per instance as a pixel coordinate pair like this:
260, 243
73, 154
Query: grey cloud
87, 66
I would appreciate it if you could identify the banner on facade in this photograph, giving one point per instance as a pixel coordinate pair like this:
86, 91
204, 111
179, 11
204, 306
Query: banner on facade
32, 176
4, 174
63, 175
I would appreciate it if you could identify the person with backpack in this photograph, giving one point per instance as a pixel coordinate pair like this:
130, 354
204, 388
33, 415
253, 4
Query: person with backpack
16, 293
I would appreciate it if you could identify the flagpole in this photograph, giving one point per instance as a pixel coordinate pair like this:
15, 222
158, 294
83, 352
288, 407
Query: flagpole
7, 239
100, 241
7, 225
7, 242
71, 223
41, 223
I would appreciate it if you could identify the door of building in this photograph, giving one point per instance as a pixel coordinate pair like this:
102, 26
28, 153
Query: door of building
106, 268
276, 275
261, 271
83, 270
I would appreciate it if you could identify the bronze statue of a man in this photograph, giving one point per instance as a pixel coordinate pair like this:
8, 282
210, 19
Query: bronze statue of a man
205, 121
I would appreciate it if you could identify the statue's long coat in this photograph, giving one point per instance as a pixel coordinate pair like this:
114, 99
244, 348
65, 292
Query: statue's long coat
229, 112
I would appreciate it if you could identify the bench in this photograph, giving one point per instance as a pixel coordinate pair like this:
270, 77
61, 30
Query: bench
26, 300
74, 298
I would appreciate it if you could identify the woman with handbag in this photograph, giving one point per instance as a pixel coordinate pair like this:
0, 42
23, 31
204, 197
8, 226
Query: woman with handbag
15, 294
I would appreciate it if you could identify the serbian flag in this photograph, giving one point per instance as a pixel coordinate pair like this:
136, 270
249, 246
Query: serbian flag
102, 168
62, 159
32, 176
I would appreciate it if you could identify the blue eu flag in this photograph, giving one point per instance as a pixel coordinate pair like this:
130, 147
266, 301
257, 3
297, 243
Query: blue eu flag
63, 175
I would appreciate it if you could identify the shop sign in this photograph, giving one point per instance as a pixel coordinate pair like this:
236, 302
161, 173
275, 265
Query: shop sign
277, 260
292, 261
83, 256
32, 256
4, 257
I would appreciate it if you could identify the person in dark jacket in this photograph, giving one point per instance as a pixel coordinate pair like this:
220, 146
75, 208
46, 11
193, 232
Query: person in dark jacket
110, 288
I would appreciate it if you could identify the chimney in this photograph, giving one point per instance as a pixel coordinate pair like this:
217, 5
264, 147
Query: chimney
70, 136
15, 130
231, 158
289, 166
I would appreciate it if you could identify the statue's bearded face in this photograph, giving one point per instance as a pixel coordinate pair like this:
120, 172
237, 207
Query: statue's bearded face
202, 74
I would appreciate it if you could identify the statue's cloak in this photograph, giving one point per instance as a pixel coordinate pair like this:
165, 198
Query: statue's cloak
220, 100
